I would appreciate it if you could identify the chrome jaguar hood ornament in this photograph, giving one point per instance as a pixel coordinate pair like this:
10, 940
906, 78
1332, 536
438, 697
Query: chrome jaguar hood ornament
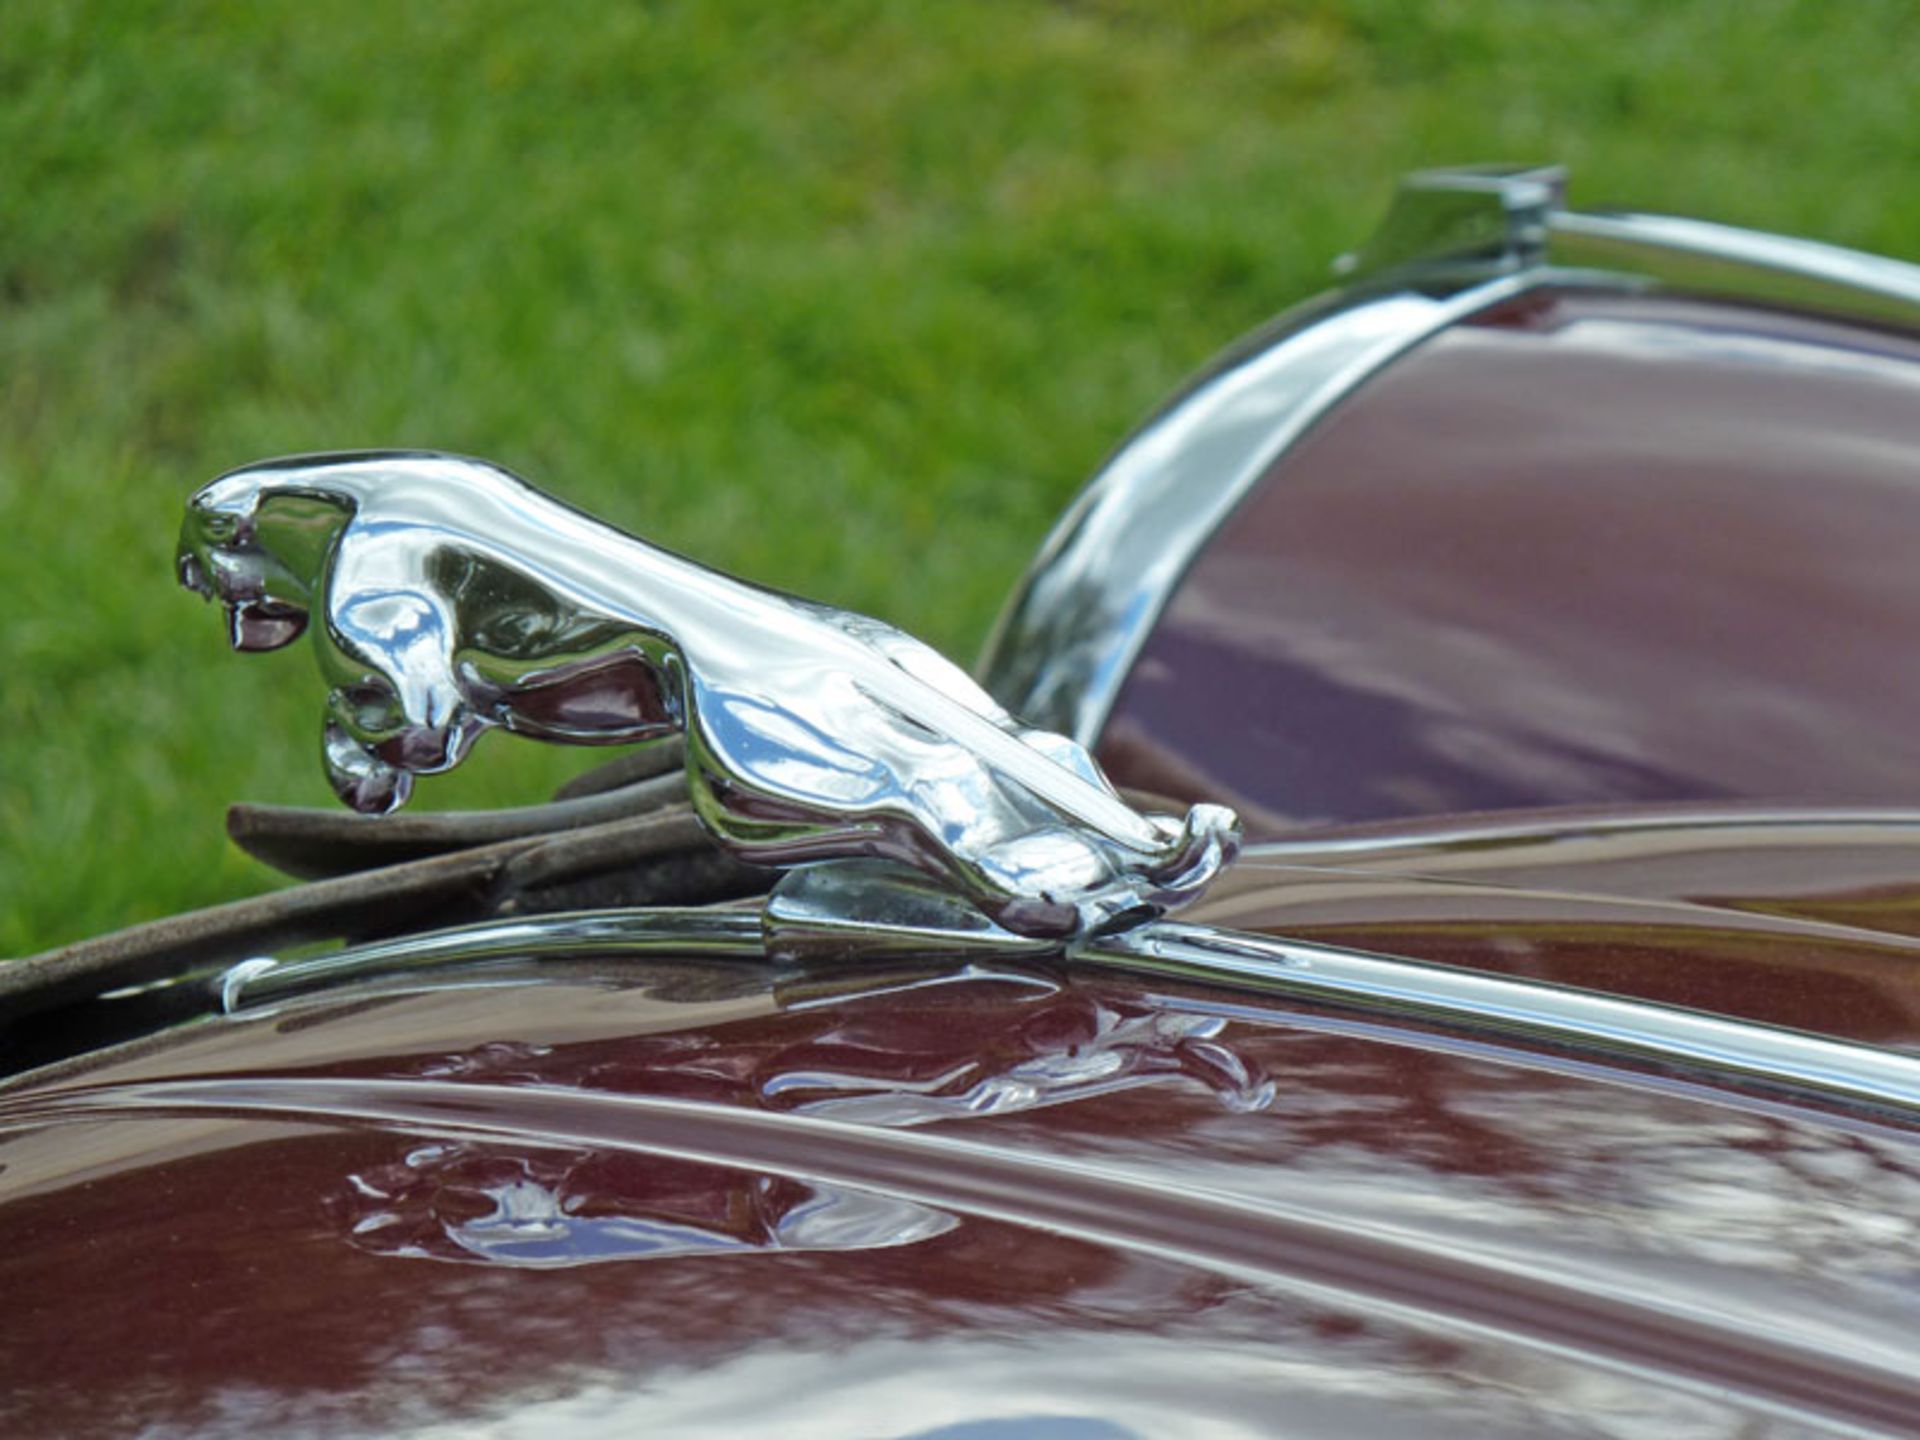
453, 598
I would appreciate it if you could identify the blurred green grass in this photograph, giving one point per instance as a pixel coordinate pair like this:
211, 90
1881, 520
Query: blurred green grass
846, 298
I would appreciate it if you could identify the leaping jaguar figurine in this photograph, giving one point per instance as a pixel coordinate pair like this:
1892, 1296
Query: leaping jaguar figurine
455, 598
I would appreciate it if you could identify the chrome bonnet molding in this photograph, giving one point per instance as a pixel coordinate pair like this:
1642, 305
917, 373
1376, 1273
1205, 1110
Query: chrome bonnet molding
1690, 1044
633, 934
1454, 242
1536, 1013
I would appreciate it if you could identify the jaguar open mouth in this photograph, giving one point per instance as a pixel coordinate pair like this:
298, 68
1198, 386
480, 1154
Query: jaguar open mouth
254, 620
264, 624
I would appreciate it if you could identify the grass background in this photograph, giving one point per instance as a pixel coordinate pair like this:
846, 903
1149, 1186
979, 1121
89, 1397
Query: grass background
846, 297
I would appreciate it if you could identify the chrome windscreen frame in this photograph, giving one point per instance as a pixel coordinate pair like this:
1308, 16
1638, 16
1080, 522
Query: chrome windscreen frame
1453, 243
1076, 623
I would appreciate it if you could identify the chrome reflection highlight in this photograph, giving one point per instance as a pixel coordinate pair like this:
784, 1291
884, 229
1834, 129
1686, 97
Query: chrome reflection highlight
455, 599
1118, 1052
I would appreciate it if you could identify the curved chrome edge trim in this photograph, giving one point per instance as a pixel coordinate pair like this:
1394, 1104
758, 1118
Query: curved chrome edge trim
1703, 257
730, 934
1454, 241
1077, 621
1530, 1011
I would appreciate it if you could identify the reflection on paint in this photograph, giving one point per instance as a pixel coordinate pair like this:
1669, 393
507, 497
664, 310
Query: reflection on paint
936, 1048
479, 1204
1108, 1053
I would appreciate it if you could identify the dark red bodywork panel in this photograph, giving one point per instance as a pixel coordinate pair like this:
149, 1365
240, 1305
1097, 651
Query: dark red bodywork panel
1588, 548
706, 1201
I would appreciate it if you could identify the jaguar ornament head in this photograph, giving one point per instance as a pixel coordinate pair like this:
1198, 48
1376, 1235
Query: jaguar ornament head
265, 543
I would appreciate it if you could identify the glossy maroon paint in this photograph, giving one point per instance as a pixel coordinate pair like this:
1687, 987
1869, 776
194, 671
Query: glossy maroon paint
1588, 548
706, 1199
1810, 921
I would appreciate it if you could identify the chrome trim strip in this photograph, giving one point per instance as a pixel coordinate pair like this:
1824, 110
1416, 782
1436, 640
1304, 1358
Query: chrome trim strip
1530, 1011
1077, 622
632, 934
1453, 242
